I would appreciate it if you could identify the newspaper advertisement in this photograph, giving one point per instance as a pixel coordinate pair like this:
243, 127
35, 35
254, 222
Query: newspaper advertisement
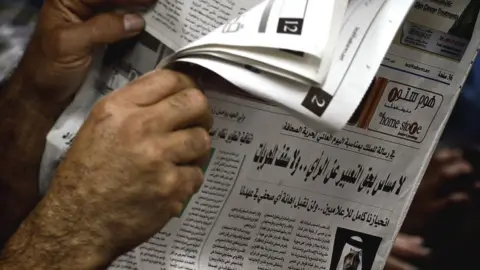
279, 194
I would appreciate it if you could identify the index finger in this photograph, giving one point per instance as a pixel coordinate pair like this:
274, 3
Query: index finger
117, 2
154, 87
409, 246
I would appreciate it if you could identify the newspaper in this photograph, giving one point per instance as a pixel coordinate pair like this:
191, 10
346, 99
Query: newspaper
302, 55
279, 194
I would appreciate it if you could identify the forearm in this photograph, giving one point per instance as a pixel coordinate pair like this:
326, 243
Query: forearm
25, 120
47, 239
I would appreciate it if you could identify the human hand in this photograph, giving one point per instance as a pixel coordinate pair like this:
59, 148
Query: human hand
406, 247
131, 168
446, 165
59, 55
53, 67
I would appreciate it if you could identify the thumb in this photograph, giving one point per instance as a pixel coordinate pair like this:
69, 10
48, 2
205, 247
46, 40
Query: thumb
103, 29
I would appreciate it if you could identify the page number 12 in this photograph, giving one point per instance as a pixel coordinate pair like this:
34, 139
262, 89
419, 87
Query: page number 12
290, 26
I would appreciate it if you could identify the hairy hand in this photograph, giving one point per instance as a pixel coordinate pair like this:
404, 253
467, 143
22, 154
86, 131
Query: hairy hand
131, 168
60, 53
54, 66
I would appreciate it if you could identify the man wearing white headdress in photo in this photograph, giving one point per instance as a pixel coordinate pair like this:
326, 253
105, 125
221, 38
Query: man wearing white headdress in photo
352, 254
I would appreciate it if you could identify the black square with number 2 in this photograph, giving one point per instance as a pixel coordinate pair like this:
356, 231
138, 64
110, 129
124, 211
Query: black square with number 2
292, 26
317, 101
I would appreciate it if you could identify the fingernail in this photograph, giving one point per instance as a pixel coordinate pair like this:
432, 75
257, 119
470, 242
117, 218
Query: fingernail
133, 23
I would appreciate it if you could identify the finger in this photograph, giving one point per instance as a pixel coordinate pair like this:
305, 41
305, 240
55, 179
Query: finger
446, 155
184, 109
203, 161
179, 184
455, 169
410, 246
456, 198
120, 3
81, 39
187, 146
155, 86
406, 238
85, 9
192, 180
397, 264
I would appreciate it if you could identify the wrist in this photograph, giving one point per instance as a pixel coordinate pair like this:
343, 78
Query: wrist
20, 90
47, 240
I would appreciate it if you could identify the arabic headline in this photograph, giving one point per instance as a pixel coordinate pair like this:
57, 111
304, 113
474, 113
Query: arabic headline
312, 206
328, 170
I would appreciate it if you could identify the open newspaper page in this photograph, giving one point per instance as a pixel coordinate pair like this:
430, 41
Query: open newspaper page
278, 194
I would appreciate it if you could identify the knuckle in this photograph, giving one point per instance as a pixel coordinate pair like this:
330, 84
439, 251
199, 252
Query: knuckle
209, 119
103, 108
199, 141
152, 156
170, 180
198, 99
196, 175
134, 123
192, 100
168, 78
176, 208
205, 138
178, 102
131, 129
193, 181
198, 179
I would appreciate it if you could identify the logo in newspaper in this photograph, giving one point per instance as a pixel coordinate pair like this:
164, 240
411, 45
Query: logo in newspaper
317, 101
404, 111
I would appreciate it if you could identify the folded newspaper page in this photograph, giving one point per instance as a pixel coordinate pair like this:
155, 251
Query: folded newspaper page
278, 193
297, 54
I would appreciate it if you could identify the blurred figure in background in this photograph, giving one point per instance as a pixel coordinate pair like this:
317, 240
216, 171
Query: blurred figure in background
453, 234
441, 228
411, 249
